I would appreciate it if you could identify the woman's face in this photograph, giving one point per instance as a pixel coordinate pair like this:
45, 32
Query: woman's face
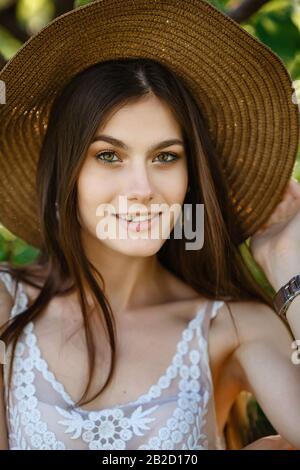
130, 161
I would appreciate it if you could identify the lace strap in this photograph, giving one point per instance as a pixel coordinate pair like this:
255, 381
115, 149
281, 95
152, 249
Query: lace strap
217, 304
16, 291
9, 282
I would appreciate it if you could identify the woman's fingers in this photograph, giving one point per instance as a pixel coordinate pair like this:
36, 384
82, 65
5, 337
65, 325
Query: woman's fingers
270, 443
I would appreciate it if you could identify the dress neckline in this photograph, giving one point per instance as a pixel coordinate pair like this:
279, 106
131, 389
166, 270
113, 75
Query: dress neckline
155, 388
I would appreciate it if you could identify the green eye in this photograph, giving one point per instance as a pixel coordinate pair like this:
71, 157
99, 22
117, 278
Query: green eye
167, 154
105, 153
101, 156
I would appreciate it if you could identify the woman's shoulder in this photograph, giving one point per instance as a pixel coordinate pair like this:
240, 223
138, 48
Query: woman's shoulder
246, 322
179, 292
255, 321
17, 291
229, 330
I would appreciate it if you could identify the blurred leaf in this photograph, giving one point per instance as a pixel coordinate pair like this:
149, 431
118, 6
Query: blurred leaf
259, 425
80, 3
5, 3
296, 18
220, 4
276, 6
8, 44
294, 67
35, 14
296, 172
256, 271
250, 29
283, 41
6, 234
23, 253
4, 248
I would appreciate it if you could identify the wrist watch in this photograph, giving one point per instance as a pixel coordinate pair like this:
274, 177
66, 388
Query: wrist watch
285, 295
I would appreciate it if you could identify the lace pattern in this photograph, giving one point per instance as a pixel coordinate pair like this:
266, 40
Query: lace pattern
173, 414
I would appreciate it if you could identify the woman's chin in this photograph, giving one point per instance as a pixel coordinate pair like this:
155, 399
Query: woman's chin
137, 247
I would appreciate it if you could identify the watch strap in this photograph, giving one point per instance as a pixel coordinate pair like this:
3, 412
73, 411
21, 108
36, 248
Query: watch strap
285, 295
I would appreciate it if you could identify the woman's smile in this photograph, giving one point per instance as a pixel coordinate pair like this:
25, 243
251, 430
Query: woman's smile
138, 223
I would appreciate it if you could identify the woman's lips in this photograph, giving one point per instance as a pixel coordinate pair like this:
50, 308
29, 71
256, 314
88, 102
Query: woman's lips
138, 226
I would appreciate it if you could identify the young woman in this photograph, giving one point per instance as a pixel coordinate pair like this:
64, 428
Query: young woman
131, 341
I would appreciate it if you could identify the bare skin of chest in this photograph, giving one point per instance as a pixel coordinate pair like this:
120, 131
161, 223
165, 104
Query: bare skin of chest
146, 343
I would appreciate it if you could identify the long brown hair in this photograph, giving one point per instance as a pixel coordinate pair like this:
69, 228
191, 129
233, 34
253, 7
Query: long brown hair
216, 271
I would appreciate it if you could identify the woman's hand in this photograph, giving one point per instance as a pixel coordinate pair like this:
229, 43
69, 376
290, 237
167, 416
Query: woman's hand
276, 245
270, 443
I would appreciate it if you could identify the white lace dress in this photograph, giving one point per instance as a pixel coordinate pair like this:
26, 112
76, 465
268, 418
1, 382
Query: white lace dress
177, 412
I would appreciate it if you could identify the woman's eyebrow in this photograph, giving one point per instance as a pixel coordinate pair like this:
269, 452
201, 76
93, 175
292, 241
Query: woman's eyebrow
119, 143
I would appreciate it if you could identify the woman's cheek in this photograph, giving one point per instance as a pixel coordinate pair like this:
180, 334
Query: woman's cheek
93, 191
177, 187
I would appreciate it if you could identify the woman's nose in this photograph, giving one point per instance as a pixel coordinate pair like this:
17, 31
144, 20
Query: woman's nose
140, 186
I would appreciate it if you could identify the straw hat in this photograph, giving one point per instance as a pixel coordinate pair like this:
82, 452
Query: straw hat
242, 87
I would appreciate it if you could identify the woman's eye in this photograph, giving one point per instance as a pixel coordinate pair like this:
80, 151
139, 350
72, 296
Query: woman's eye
102, 154
167, 154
